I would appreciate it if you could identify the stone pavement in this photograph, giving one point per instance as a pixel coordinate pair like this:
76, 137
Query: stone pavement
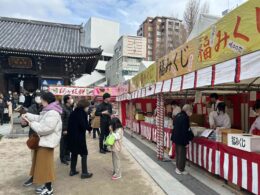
168, 183
5, 129
15, 160
198, 181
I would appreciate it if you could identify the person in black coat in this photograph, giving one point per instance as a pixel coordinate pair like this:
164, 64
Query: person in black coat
104, 110
66, 111
2, 108
77, 126
181, 136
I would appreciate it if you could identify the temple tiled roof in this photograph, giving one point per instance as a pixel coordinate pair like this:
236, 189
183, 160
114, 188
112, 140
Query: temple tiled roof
43, 37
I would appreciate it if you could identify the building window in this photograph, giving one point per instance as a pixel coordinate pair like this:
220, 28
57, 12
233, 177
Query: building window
150, 28
150, 34
150, 41
176, 30
150, 58
177, 24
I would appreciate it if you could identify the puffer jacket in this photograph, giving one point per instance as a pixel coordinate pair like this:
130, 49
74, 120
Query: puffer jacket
48, 126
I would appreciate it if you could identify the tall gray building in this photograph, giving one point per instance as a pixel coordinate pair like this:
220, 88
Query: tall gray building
163, 35
128, 55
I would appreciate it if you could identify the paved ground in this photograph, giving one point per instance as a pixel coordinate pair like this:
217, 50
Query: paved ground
198, 180
5, 129
15, 164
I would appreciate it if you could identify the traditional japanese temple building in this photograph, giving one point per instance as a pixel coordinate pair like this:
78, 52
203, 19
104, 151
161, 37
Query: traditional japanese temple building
33, 53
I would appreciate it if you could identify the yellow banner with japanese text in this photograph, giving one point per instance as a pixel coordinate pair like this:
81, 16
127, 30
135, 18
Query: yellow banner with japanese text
236, 34
148, 76
178, 62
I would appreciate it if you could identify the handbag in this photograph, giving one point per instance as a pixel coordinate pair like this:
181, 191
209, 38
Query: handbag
33, 141
110, 140
95, 123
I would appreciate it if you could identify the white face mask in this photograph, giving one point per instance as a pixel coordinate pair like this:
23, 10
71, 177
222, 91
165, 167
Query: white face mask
37, 99
86, 109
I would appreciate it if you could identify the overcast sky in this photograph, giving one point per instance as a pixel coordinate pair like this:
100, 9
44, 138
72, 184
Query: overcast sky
129, 13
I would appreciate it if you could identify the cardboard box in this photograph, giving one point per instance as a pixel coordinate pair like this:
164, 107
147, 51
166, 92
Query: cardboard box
139, 117
246, 142
225, 132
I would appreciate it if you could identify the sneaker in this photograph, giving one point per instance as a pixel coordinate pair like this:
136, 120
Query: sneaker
47, 192
115, 177
178, 171
39, 190
184, 172
29, 182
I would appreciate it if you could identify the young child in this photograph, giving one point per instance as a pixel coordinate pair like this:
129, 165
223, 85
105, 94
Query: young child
117, 129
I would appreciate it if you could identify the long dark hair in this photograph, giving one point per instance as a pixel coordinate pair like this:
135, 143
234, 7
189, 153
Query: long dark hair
116, 124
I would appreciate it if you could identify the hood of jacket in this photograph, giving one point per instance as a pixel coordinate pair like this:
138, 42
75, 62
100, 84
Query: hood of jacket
53, 106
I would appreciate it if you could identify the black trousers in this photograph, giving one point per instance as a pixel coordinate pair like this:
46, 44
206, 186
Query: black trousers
1, 118
73, 164
95, 132
104, 133
180, 157
64, 151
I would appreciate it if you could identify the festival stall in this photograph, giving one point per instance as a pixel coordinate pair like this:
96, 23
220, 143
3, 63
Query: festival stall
86, 92
223, 59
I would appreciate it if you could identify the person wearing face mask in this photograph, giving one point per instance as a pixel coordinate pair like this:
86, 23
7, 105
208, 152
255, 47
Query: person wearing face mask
35, 108
255, 128
77, 126
66, 111
48, 126
181, 136
220, 118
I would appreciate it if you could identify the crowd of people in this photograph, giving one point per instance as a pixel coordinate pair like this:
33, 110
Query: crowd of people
66, 124
12, 100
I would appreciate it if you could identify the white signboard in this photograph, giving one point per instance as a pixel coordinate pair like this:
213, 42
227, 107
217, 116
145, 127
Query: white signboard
246, 142
73, 91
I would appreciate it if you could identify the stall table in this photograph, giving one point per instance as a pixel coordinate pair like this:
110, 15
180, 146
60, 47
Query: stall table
148, 131
237, 166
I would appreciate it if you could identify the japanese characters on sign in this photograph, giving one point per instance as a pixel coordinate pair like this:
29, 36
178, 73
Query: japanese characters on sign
73, 91
236, 34
144, 78
178, 62
100, 91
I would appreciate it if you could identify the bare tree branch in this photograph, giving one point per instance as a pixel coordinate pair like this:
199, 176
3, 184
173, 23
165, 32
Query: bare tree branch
205, 8
191, 14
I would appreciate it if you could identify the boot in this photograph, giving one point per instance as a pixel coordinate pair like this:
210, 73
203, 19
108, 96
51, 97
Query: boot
73, 165
85, 174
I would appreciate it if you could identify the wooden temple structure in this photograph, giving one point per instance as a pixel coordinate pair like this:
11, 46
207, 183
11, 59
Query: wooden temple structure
33, 53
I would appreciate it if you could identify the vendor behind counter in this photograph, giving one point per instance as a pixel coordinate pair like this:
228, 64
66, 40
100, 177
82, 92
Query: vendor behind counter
220, 118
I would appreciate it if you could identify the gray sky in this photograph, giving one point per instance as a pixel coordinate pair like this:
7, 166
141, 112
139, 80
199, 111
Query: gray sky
129, 13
